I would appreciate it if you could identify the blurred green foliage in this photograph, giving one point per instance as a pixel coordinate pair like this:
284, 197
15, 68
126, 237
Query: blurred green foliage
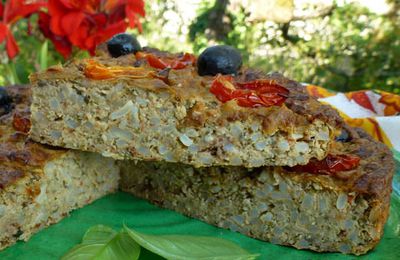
346, 49
353, 49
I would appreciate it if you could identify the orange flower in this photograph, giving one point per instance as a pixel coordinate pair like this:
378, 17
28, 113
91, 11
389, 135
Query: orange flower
10, 13
87, 23
61, 43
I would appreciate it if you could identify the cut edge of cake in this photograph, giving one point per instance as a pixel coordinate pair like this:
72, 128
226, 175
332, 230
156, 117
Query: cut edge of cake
175, 119
46, 196
337, 212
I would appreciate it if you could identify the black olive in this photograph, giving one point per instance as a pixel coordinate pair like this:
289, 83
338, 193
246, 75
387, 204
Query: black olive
343, 137
5, 102
219, 59
122, 44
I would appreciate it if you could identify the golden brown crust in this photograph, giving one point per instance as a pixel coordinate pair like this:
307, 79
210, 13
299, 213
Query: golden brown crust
186, 85
300, 102
18, 154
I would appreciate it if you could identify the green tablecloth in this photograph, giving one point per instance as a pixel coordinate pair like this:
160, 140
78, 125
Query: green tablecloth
116, 209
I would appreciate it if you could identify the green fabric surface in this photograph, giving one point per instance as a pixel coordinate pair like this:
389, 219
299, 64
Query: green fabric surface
117, 209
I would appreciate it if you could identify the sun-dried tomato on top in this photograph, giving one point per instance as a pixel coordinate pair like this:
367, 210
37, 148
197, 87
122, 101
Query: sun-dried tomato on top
256, 93
167, 62
98, 71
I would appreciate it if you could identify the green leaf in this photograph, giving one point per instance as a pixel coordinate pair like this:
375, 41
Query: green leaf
43, 55
102, 242
190, 247
11, 73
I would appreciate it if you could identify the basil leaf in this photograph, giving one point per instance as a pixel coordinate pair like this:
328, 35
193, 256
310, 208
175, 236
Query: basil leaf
102, 242
190, 247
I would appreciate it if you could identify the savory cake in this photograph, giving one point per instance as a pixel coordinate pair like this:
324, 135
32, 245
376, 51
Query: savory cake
154, 105
339, 204
40, 185
236, 148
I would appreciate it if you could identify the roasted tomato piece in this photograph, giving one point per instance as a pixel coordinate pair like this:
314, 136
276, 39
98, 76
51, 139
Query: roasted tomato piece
255, 93
167, 62
156, 62
330, 165
223, 88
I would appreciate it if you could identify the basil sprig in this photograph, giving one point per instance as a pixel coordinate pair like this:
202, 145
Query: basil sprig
102, 242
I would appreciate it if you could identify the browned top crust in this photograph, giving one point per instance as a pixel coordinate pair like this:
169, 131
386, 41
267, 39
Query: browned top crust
372, 177
186, 84
18, 154
299, 101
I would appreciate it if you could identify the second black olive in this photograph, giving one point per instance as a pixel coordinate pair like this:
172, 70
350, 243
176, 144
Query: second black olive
219, 59
123, 44
5, 102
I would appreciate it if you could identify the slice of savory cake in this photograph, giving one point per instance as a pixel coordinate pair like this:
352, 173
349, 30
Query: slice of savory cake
338, 204
155, 106
40, 185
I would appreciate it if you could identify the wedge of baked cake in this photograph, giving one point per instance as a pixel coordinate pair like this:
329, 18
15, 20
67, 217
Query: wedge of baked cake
320, 206
155, 106
40, 185
340, 203
231, 146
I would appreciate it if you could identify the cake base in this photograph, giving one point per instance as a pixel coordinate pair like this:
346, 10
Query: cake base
263, 203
